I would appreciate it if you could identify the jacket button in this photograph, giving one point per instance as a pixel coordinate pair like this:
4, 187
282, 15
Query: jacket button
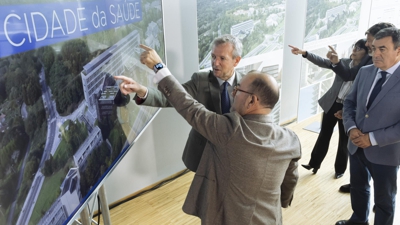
366, 116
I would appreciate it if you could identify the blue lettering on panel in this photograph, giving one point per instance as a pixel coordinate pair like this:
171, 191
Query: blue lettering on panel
26, 27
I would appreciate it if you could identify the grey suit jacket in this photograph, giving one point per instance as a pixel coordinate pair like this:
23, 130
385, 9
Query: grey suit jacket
249, 166
204, 87
327, 100
382, 118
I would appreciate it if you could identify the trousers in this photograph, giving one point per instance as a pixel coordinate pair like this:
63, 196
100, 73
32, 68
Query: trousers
321, 146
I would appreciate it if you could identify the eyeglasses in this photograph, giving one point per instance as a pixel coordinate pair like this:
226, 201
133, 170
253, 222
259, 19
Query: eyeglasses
357, 48
236, 89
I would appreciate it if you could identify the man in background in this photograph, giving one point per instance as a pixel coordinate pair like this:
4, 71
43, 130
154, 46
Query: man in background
210, 88
371, 118
248, 170
343, 69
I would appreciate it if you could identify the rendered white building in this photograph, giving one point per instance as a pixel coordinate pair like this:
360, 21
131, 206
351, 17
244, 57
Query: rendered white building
244, 27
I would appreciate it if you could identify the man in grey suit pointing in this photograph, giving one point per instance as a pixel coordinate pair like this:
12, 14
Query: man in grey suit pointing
207, 88
371, 118
248, 170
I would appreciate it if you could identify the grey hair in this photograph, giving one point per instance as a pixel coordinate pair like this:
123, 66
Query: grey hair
234, 41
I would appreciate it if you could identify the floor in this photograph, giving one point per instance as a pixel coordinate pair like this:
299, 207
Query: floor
316, 201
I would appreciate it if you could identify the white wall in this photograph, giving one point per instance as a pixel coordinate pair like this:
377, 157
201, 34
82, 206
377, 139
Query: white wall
294, 35
157, 153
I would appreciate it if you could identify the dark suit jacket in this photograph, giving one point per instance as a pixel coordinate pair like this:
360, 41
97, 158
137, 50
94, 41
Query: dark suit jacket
327, 100
249, 166
204, 87
382, 118
343, 69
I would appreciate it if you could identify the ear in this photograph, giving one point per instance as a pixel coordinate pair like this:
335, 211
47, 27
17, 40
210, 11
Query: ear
237, 60
252, 101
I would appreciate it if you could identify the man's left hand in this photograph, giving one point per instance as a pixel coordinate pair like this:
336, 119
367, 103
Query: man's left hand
362, 141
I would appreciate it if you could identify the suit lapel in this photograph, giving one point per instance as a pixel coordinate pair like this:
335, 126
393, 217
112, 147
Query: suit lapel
215, 92
238, 77
390, 83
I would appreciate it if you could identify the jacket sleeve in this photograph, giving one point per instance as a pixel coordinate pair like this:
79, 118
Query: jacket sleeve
291, 177
318, 60
218, 129
157, 99
350, 106
343, 69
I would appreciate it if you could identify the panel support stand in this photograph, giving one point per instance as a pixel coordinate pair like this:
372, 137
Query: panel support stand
87, 214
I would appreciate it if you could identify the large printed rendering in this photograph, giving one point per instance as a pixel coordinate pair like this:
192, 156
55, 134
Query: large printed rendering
60, 131
260, 24
334, 23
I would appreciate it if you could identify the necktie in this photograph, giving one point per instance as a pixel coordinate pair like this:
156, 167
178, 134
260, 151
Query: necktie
225, 103
377, 88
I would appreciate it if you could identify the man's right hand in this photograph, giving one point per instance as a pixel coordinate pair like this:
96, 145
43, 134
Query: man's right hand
128, 86
296, 50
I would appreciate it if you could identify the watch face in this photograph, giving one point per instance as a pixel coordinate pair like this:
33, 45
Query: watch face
158, 67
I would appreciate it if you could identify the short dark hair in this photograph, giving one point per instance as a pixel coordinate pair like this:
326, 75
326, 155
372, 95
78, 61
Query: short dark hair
377, 27
266, 92
361, 44
390, 32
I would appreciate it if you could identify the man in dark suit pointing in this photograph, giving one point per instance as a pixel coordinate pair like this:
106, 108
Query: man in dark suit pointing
210, 88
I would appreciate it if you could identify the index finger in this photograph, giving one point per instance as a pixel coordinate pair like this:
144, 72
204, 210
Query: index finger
332, 49
291, 46
123, 78
145, 47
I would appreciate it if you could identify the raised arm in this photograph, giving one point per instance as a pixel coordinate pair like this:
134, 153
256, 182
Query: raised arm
343, 69
315, 59
215, 128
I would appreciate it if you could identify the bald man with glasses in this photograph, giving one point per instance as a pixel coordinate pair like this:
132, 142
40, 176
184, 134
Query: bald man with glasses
248, 170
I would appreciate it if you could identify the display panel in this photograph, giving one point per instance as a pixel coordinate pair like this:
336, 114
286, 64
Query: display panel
61, 132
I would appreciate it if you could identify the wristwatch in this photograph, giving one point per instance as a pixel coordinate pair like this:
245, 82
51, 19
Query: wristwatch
158, 67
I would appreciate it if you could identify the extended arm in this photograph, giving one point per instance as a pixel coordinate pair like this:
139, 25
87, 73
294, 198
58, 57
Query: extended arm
343, 69
215, 128
318, 60
315, 59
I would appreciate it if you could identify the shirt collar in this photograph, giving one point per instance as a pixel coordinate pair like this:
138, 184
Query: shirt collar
391, 69
230, 80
